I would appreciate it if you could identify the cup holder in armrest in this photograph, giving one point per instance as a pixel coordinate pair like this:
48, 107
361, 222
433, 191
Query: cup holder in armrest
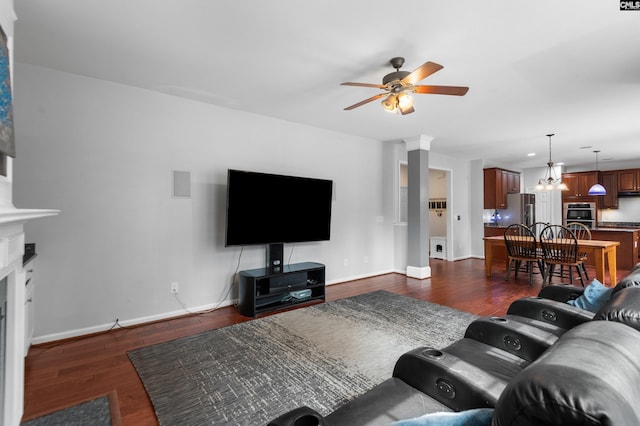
432, 352
301, 416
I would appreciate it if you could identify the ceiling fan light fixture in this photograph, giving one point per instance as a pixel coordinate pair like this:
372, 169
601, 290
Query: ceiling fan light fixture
390, 103
401, 84
405, 103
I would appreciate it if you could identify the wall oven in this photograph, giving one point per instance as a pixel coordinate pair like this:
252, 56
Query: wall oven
580, 212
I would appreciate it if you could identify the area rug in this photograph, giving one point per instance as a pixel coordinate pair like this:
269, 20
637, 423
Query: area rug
321, 356
102, 411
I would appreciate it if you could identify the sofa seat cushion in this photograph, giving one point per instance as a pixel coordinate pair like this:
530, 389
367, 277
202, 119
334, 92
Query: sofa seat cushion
388, 402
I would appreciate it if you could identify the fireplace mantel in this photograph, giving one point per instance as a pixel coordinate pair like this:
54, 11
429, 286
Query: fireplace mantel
18, 216
11, 267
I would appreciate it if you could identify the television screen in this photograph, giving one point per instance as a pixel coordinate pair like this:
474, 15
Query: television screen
268, 208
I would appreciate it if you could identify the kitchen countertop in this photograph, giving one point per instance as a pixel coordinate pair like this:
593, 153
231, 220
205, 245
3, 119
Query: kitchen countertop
615, 229
607, 226
634, 225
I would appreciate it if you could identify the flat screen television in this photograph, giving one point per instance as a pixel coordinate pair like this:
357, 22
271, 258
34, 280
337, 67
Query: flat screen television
267, 208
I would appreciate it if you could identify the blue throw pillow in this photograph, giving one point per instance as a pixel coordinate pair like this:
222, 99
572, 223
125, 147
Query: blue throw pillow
594, 297
475, 417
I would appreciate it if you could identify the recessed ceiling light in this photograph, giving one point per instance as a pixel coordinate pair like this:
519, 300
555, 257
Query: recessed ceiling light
531, 154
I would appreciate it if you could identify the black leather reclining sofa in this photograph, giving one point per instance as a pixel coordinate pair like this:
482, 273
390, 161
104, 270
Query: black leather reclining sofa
544, 363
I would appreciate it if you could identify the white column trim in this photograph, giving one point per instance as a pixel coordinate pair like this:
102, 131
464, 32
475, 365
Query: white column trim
419, 272
418, 142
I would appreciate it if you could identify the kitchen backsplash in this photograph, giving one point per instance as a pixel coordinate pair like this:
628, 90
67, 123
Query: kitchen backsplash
628, 211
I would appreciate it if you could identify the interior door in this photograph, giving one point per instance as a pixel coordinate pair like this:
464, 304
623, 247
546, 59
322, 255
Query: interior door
543, 206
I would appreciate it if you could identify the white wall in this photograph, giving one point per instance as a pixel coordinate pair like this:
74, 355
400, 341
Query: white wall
459, 199
103, 154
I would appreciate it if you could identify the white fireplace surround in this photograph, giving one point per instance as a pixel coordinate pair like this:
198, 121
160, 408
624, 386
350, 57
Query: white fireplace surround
11, 252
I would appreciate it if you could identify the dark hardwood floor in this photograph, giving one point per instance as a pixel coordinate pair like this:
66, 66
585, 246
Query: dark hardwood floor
65, 373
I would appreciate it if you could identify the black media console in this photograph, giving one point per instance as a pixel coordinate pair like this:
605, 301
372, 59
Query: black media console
264, 290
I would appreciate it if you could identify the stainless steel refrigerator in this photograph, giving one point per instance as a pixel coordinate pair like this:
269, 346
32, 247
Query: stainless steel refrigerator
521, 208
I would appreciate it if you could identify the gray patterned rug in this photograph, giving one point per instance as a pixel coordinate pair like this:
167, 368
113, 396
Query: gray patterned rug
102, 411
321, 356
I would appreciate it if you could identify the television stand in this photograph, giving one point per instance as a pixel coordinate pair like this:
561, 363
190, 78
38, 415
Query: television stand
265, 290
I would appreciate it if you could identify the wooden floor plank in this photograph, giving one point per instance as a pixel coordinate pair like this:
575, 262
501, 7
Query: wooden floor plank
65, 373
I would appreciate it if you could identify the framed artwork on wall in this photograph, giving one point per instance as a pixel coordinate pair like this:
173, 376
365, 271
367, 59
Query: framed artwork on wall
7, 140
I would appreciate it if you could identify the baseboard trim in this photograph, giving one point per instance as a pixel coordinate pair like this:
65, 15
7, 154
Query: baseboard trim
420, 272
82, 332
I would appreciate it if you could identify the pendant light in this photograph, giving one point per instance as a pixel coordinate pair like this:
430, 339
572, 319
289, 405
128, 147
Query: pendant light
550, 181
597, 189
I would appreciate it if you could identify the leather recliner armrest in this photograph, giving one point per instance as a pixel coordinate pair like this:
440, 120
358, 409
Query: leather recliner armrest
448, 379
553, 312
561, 293
520, 339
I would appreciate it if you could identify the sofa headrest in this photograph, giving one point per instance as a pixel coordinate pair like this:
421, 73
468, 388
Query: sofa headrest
588, 377
631, 280
623, 306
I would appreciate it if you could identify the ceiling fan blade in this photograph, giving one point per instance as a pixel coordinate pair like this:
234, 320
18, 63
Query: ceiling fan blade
423, 71
442, 90
377, 86
366, 101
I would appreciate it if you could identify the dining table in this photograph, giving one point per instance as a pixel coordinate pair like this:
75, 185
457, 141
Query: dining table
603, 253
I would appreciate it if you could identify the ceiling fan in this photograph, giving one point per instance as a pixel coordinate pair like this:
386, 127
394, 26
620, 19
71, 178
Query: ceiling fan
399, 86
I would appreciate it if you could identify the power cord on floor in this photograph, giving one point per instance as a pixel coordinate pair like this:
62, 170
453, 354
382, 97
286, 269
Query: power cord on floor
117, 325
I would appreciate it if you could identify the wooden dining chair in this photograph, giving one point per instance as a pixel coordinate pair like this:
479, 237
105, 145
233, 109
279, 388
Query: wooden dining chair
537, 228
560, 248
582, 232
521, 250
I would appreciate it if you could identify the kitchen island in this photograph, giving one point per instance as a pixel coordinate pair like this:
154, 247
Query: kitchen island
626, 233
628, 237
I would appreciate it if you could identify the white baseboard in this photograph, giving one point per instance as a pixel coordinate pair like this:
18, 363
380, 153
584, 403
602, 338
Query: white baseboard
125, 323
421, 272
166, 315
362, 276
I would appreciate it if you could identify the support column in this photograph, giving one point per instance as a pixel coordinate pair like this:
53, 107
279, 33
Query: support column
418, 207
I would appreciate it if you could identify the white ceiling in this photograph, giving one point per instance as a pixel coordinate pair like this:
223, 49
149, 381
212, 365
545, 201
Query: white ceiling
566, 67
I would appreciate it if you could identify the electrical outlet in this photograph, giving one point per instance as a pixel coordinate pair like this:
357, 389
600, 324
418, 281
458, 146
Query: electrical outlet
174, 287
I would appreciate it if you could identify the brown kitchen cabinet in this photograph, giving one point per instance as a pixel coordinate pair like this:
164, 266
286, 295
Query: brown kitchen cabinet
626, 252
629, 181
609, 180
497, 184
579, 184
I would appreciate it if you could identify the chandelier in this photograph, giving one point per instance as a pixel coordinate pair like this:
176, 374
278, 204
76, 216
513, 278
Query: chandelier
550, 181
